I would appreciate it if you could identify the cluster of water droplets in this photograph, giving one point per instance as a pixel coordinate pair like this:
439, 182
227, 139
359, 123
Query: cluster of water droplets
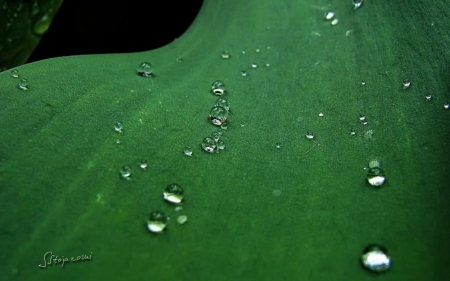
23, 82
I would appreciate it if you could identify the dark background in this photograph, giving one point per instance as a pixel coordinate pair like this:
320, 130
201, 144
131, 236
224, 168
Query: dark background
100, 27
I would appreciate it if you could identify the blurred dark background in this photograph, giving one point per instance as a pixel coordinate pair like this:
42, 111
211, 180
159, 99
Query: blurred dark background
100, 27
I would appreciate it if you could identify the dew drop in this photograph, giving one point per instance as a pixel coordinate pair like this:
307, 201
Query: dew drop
429, 97
208, 144
329, 15
187, 151
218, 88
179, 60
117, 141
321, 114
363, 83
352, 132
157, 221
376, 259
182, 219
223, 103
143, 164
254, 65
14, 73
334, 22
362, 117
310, 135
42, 24
375, 174
224, 126
258, 50
278, 145
243, 73
216, 136
145, 69
118, 127
23, 84
357, 4
447, 105
218, 115
125, 172
173, 193
178, 209
34, 8
225, 55
220, 144
406, 83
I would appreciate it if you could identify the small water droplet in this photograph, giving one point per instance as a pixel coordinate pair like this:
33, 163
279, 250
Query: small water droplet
225, 55
365, 123
34, 8
352, 132
216, 136
334, 22
258, 50
406, 83
145, 69
321, 114
278, 145
179, 60
376, 259
182, 219
208, 144
23, 84
329, 15
173, 193
178, 209
243, 73
362, 117
15, 73
118, 127
429, 97
223, 103
310, 135
243, 52
143, 164
375, 174
254, 65
357, 4
117, 141
157, 221
187, 151
276, 192
218, 115
447, 105
224, 126
220, 144
125, 172
218, 88
242, 125
267, 64
363, 83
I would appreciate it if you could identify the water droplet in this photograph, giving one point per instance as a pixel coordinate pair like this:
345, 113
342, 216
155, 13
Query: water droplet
243, 73
218, 88
42, 24
208, 144
143, 164
23, 84
15, 73
254, 65
321, 114
352, 132
34, 8
178, 209
329, 15
363, 83
447, 105
310, 135
223, 103
218, 115
157, 221
429, 97
258, 50
278, 145
365, 123
334, 22
125, 172
117, 141
220, 144
357, 4
182, 219
145, 69
376, 259
173, 193
225, 55
216, 136
276, 192
179, 60
375, 175
118, 127
362, 117
406, 83
242, 125
224, 126
187, 151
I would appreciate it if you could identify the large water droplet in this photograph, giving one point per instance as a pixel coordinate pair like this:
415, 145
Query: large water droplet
157, 221
375, 174
218, 88
23, 84
173, 193
145, 69
208, 144
125, 172
218, 115
376, 259
42, 24
14, 73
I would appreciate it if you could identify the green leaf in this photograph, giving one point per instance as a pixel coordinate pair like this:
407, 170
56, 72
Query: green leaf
255, 212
